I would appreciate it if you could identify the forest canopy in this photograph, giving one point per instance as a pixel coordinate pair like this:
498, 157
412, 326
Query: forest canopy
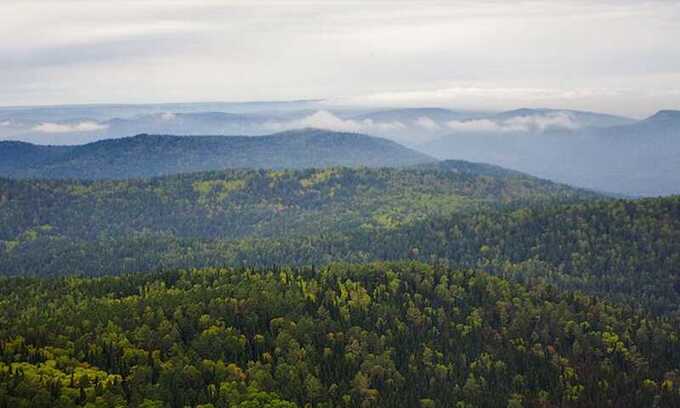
449, 284
381, 334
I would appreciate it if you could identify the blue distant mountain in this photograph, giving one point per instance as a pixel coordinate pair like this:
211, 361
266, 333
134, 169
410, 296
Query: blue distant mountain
158, 155
601, 152
438, 115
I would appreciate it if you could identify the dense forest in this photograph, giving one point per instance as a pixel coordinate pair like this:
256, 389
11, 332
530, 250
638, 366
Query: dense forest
388, 335
628, 251
443, 284
470, 215
78, 227
239, 203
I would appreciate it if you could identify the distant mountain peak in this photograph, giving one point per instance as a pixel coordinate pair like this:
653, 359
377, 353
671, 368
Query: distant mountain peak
306, 131
420, 110
528, 111
150, 155
665, 114
15, 143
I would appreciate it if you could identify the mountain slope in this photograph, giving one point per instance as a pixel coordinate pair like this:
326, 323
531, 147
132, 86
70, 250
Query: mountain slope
15, 155
624, 250
634, 159
471, 215
412, 114
148, 156
580, 118
41, 220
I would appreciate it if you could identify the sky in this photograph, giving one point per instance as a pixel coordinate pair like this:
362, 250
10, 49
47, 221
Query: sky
618, 57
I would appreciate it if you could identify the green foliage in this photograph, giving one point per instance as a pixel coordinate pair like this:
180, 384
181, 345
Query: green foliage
625, 250
382, 334
100, 224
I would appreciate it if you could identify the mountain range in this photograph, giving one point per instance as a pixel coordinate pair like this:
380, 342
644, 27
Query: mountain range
598, 151
157, 155
637, 158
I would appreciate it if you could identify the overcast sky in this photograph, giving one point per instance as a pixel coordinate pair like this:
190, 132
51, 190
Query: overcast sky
614, 56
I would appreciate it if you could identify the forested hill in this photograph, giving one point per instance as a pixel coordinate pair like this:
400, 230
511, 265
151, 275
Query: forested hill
158, 155
473, 215
470, 214
475, 169
627, 251
377, 335
237, 204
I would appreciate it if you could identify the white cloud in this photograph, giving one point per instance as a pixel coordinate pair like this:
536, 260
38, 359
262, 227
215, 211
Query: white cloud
480, 125
427, 123
326, 120
540, 123
6, 123
525, 123
87, 126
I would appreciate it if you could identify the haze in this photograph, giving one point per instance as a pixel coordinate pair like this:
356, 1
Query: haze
618, 57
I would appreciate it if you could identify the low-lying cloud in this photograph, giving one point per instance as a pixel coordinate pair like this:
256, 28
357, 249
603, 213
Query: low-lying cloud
527, 123
86, 126
536, 123
326, 120
427, 123
477, 125
540, 123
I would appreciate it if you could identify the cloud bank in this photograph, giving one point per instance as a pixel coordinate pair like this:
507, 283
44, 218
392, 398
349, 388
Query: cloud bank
478, 125
326, 120
536, 123
525, 123
86, 126
427, 123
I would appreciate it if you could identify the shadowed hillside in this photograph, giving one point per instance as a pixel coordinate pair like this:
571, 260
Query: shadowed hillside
156, 155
